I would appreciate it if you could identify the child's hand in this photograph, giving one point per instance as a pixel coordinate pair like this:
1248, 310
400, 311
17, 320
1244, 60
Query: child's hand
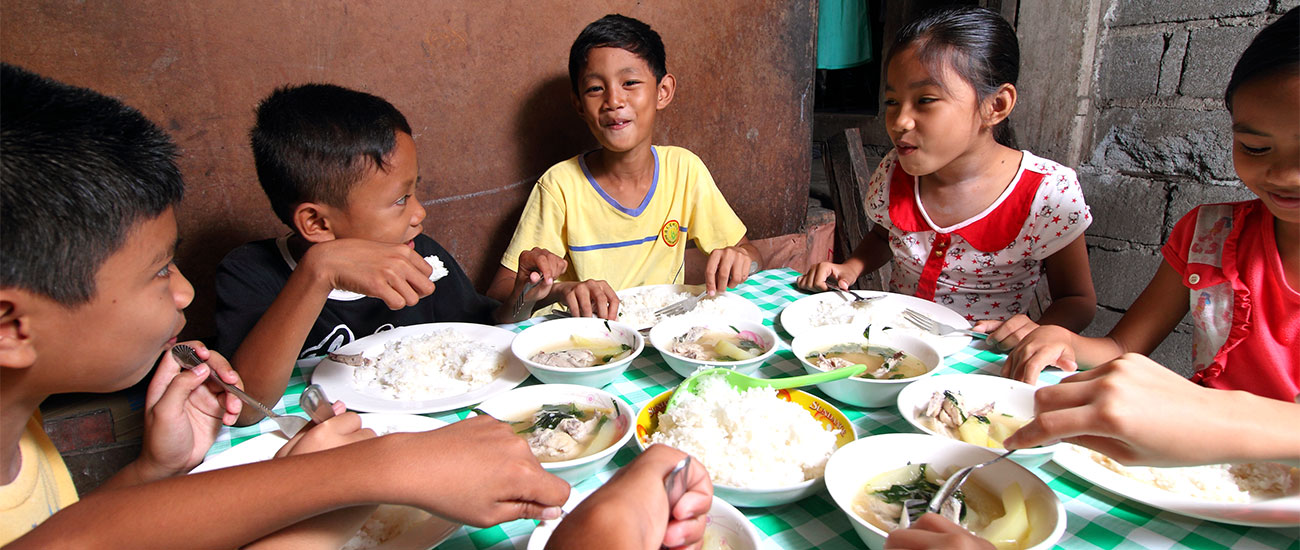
394, 273
590, 298
540, 266
726, 268
475, 471
815, 278
634, 499
1045, 346
1135, 411
935, 531
342, 429
1006, 335
182, 414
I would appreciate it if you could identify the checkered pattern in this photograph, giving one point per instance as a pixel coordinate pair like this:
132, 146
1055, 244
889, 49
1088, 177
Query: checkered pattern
1096, 519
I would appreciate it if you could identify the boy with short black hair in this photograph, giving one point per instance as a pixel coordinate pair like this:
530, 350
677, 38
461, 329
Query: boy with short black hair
89, 299
620, 216
340, 168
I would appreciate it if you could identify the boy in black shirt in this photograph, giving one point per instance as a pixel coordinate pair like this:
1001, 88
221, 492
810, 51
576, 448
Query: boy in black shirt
340, 168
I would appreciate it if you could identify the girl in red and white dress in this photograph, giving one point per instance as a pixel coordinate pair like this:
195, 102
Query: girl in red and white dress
962, 217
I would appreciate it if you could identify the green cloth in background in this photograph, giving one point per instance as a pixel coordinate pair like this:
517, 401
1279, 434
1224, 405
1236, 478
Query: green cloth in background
843, 34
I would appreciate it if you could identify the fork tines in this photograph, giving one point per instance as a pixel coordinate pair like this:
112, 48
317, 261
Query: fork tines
679, 307
919, 319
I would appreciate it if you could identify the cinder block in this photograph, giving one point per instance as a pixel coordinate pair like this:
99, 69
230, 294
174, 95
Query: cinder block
1136, 12
1124, 208
1284, 5
1211, 54
1171, 63
1187, 195
1176, 351
1119, 277
1130, 66
1166, 142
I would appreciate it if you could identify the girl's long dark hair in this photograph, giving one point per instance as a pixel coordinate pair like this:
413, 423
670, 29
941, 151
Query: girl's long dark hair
977, 43
1275, 50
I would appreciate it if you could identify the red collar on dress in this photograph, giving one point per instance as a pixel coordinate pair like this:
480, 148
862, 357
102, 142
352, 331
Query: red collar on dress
992, 233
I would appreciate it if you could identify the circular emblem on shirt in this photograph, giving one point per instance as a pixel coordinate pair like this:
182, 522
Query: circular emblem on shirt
671, 232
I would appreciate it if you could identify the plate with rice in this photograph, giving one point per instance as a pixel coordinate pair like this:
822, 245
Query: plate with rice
885, 310
425, 368
637, 305
390, 527
1257, 494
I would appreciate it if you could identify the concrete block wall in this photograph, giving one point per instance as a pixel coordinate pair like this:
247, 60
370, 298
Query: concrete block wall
1160, 141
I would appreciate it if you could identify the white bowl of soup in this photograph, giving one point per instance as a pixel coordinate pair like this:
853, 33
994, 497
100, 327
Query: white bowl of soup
893, 360
979, 409
578, 350
1005, 503
572, 430
693, 342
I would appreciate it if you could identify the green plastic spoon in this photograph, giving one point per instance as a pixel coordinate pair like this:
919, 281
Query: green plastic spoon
743, 382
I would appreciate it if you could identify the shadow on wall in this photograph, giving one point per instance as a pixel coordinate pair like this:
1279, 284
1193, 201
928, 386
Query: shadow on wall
549, 131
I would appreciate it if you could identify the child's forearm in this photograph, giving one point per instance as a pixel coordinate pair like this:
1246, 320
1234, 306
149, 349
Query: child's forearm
265, 358
870, 254
1072, 312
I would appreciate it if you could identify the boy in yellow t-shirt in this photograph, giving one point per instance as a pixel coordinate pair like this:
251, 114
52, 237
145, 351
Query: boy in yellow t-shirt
620, 216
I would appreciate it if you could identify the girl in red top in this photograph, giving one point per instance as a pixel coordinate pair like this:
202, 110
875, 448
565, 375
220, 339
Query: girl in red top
962, 217
1235, 267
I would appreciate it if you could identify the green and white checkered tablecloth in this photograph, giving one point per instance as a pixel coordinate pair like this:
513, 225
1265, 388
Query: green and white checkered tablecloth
1095, 518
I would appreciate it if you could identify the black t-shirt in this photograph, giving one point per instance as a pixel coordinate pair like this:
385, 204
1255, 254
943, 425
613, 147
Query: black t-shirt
251, 276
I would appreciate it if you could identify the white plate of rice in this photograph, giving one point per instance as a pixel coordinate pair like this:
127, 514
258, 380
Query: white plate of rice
390, 527
832, 308
637, 305
1250, 494
424, 368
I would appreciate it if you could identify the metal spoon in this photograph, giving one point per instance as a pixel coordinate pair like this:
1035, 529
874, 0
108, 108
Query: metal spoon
315, 404
289, 425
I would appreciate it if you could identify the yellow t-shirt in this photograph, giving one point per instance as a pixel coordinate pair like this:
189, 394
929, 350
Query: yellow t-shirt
43, 485
570, 215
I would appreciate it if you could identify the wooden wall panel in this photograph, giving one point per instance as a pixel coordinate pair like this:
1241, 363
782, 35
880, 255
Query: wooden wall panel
484, 85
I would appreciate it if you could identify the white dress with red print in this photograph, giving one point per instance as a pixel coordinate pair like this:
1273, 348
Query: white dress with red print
989, 266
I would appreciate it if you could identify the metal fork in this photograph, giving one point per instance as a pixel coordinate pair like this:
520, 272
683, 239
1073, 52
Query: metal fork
290, 425
932, 326
955, 482
681, 306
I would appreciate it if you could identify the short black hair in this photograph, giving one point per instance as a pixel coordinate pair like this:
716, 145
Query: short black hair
979, 45
313, 143
618, 31
1273, 52
78, 171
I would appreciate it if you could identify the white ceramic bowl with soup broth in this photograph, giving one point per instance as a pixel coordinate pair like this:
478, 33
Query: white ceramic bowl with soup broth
663, 334
1009, 397
518, 406
613, 343
854, 466
865, 392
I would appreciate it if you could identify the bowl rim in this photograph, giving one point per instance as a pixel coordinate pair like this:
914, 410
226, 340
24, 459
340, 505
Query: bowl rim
909, 415
623, 407
621, 363
853, 430
888, 441
709, 320
836, 329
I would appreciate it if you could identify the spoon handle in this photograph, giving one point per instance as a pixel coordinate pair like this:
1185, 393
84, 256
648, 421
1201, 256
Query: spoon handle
810, 379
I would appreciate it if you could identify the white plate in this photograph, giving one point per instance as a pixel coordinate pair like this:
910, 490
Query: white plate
736, 305
1278, 512
337, 381
796, 318
426, 534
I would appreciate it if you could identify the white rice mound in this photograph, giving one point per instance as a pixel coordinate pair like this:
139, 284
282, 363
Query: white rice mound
428, 366
439, 270
751, 439
880, 316
638, 308
1236, 483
